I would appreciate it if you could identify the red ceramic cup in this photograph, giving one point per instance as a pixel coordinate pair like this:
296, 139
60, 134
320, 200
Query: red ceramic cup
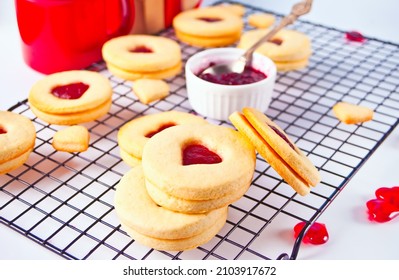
60, 35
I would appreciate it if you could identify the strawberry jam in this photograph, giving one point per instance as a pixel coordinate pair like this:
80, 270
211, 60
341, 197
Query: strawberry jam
141, 49
2, 130
162, 127
199, 154
248, 76
70, 91
317, 233
276, 41
354, 36
279, 133
385, 206
209, 19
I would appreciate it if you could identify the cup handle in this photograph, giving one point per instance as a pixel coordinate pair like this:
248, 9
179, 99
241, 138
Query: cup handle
127, 18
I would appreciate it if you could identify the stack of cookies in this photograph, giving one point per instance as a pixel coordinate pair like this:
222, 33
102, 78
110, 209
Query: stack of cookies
17, 139
289, 49
177, 199
133, 57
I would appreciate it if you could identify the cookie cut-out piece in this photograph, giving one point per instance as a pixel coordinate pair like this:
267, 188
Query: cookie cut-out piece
71, 139
261, 20
351, 114
149, 90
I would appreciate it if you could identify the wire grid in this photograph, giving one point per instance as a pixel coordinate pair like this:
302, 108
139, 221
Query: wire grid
65, 201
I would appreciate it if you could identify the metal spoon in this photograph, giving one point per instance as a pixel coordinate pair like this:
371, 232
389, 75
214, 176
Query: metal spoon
238, 66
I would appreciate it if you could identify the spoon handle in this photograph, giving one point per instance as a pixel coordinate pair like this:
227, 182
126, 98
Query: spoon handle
297, 10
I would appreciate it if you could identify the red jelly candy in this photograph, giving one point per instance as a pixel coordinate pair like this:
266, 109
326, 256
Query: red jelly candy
354, 36
317, 233
199, 154
164, 126
141, 49
385, 206
70, 91
2, 131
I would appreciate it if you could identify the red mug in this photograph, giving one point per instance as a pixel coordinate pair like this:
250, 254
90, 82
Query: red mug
60, 35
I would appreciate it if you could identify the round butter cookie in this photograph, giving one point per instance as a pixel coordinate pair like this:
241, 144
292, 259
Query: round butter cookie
133, 76
71, 97
137, 56
289, 49
199, 161
70, 92
277, 149
192, 206
133, 135
208, 27
17, 140
136, 210
178, 244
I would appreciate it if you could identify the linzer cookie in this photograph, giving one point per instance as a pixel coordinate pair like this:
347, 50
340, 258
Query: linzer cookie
133, 135
17, 140
156, 226
208, 27
351, 114
277, 149
133, 57
71, 97
289, 49
208, 164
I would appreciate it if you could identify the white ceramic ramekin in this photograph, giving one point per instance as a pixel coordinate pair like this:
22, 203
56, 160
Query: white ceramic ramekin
218, 101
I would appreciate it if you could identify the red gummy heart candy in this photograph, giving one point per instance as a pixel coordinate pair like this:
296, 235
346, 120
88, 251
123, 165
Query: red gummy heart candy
199, 154
317, 234
354, 36
385, 206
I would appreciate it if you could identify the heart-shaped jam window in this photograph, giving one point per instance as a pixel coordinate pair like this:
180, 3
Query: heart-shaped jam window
199, 154
2, 130
317, 234
70, 91
209, 19
276, 41
385, 206
141, 49
162, 127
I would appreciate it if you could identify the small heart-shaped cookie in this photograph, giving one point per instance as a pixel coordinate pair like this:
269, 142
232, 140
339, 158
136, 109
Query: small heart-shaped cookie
71, 139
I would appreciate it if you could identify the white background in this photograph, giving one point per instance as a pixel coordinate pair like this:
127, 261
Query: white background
352, 236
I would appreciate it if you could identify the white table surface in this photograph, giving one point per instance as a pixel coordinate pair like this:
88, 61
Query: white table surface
352, 236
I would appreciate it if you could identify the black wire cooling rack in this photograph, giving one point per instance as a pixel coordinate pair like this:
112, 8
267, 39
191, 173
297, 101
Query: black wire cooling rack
65, 201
